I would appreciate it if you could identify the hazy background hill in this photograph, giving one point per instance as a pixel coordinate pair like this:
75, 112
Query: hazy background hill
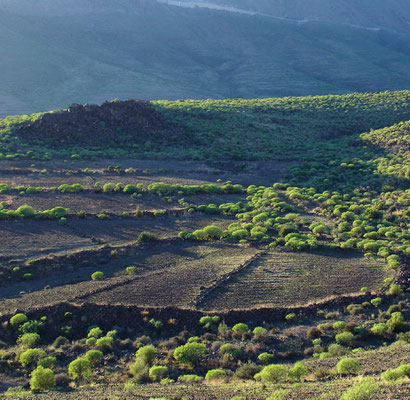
387, 14
55, 52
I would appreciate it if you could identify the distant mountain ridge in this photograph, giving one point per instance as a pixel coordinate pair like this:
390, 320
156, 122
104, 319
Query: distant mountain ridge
58, 52
386, 14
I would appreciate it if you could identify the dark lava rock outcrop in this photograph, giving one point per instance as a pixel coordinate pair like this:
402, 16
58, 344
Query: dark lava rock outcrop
117, 122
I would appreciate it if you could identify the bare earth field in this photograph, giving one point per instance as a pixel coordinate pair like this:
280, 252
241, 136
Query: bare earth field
207, 276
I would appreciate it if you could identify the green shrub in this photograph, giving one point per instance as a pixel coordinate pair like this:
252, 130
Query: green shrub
109, 187
226, 348
260, 332
79, 369
396, 321
131, 270
18, 319
157, 372
379, 329
28, 340
190, 378
345, 338
189, 353
348, 366
146, 354
393, 375
48, 362
241, 329
248, 370
97, 276
290, 317
25, 211
42, 379
30, 357
363, 390
95, 332
273, 373
30, 327
213, 232
145, 237
93, 356
214, 374
376, 302
395, 290
265, 358
278, 395
298, 371
104, 343
339, 326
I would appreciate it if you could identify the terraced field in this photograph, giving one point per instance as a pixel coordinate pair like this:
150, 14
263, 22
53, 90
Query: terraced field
283, 278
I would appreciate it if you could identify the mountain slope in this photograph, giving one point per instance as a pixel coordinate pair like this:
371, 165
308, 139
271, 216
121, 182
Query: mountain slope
54, 54
384, 14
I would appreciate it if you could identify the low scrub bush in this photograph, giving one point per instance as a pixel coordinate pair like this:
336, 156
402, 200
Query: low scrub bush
344, 338
214, 374
190, 378
80, 369
189, 353
30, 357
18, 319
97, 276
273, 373
157, 372
363, 390
348, 366
393, 375
93, 356
42, 379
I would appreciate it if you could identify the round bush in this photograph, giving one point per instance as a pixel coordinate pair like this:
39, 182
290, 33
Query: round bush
189, 353
298, 371
25, 211
93, 356
97, 276
265, 358
157, 372
28, 340
18, 319
42, 379
273, 373
345, 338
146, 354
79, 369
241, 329
339, 326
348, 366
95, 332
215, 374
30, 357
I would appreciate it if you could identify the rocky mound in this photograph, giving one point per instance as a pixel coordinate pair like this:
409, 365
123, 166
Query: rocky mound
117, 122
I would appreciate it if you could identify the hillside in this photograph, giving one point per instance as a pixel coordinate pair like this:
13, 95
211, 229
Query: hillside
92, 51
207, 249
379, 14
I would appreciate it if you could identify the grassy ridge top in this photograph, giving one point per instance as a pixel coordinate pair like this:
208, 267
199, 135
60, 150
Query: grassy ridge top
291, 128
396, 137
